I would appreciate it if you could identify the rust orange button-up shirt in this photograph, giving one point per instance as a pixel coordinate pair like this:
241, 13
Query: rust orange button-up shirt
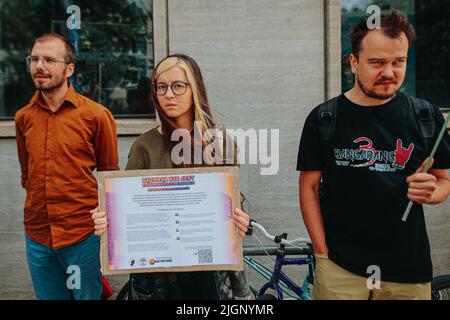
58, 153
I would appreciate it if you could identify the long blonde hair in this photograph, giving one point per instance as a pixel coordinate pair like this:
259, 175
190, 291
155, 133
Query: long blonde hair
201, 112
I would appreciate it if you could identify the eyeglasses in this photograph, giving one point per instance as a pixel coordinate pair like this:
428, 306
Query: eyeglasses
32, 61
178, 88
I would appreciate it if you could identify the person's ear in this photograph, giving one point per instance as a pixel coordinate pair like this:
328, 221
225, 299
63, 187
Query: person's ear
353, 60
70, 70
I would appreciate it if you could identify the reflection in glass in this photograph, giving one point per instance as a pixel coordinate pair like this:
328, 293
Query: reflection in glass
114, 51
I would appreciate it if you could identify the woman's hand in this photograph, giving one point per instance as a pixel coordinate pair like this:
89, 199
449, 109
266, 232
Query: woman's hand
242, 220
100, 221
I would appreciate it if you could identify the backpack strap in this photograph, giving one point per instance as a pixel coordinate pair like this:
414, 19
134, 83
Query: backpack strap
423, 112
327, 123
327, 119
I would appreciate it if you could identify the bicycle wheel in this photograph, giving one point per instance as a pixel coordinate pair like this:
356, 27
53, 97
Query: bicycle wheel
440, 288
124, 292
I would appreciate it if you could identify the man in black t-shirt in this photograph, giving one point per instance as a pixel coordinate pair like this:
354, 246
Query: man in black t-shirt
370, 168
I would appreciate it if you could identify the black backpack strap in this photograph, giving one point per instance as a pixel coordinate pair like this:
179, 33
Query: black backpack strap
327, 123
327, 119
424, 114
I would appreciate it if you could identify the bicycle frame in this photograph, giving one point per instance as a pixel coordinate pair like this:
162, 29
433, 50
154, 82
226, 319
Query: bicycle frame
279, 276
279, 281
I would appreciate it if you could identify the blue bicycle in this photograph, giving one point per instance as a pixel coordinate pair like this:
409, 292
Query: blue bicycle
277, 279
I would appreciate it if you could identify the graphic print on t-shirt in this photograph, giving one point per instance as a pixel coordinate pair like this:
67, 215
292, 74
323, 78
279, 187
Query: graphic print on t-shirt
378, 160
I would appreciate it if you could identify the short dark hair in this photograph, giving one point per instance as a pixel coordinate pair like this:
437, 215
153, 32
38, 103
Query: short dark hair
70, 56
392, 25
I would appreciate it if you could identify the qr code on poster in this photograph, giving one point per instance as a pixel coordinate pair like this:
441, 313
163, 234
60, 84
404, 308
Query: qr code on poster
205, 256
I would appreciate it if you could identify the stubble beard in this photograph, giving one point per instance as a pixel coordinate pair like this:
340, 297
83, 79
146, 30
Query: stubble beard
53, 88
372, 94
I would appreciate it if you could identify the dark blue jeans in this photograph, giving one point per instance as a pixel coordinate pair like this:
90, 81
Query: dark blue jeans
71, 272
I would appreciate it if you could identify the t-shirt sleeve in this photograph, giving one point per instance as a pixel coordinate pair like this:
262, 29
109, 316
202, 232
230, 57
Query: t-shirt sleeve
442, 156
309, 152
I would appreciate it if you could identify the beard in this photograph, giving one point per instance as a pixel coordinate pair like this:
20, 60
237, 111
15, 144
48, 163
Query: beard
52, 87
374, 95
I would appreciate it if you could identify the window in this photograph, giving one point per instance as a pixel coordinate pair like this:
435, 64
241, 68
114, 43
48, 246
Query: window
114, 51
428, 75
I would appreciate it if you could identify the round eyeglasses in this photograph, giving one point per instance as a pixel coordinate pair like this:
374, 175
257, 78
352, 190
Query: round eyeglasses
178, 88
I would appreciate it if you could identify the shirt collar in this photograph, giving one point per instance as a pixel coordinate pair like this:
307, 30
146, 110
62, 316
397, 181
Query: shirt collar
71, 97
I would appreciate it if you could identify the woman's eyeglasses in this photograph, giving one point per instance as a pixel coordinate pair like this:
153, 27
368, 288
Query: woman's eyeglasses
178, 88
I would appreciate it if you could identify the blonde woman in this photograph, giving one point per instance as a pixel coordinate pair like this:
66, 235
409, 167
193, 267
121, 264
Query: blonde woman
179, 96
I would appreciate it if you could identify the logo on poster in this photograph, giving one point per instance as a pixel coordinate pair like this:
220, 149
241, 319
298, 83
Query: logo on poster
143, 261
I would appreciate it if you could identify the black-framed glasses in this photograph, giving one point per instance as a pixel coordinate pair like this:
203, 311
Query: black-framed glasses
46, 61
178, 88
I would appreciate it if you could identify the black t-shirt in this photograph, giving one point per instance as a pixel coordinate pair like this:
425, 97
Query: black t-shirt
371, 153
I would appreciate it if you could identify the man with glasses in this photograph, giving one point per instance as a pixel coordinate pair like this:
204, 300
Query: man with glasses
62, 137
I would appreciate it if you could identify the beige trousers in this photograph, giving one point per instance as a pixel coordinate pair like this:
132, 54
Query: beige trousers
332, 282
